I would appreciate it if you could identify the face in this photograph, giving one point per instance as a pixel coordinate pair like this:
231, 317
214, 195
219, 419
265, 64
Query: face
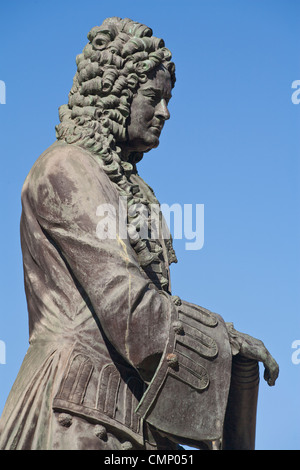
149, 111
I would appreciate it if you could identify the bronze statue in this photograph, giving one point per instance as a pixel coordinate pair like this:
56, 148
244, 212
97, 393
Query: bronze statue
116, 360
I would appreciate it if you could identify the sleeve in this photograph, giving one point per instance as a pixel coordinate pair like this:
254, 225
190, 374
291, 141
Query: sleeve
69, 191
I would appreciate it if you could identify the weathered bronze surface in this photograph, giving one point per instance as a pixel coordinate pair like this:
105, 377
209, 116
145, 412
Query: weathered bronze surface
116, 361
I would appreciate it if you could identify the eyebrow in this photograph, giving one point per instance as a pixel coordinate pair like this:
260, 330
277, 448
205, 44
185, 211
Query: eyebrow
156, 91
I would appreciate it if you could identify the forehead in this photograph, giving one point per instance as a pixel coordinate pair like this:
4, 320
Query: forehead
160, 79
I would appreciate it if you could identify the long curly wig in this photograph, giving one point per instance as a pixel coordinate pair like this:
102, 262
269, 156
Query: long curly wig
119, 57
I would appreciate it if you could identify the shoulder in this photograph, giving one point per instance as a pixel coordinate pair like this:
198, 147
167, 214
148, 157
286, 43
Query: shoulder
62, 157
65, 173
61, 164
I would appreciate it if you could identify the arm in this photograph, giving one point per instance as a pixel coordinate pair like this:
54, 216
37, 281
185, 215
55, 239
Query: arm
67, 188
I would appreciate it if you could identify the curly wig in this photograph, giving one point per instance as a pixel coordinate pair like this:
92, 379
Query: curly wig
119, 57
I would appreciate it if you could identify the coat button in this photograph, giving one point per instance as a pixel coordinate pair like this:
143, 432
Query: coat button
100, 432
178, 327
172, 360
176, 300
126, 445
65, 419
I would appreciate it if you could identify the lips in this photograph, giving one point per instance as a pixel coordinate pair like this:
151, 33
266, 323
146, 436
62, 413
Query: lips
157, 127
156, 130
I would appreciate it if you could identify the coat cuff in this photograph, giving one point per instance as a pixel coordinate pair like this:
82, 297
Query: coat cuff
187, 396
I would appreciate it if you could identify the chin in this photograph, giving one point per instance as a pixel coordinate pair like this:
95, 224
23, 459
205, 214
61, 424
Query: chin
154, 144
146, 145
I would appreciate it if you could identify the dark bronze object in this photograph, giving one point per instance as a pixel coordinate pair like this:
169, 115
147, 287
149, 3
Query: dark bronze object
115, 360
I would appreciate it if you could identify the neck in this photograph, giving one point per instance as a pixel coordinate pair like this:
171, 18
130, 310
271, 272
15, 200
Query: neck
130, 156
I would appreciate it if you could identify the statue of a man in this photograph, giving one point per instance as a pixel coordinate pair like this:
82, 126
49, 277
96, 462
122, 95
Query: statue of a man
116, 361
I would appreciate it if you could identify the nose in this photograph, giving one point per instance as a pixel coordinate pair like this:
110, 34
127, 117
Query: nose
162, 110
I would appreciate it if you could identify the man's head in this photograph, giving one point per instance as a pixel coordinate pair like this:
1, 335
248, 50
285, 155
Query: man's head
149, 111
123, 83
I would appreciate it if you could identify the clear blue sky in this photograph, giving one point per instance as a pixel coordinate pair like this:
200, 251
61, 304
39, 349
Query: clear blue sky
232, 144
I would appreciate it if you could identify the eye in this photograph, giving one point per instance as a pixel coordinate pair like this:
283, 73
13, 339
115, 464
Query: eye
153, 99
153, 95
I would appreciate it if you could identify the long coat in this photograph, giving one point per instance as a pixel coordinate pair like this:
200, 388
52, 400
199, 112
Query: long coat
98, 324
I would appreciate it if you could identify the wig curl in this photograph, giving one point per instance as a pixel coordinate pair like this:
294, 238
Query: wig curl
119, 57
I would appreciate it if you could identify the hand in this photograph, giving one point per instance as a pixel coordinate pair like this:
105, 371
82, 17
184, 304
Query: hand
253, 348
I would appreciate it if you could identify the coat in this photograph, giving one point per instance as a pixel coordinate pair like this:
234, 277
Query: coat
98, 324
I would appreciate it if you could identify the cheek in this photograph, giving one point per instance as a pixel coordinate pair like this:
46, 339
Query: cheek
145, 111
141, 119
